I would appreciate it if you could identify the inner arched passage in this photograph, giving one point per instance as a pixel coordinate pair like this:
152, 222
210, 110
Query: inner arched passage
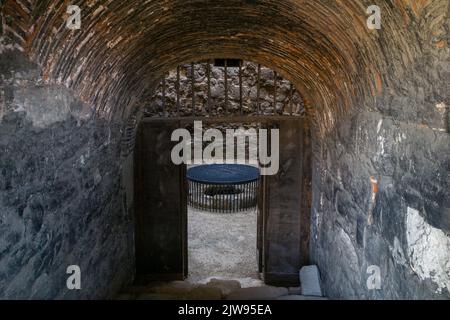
377, 101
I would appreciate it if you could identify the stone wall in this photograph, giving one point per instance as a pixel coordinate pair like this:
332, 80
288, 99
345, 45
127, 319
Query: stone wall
381, 187
62, 198
217, 102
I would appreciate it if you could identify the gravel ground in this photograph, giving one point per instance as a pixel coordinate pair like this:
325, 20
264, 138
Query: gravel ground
222, 245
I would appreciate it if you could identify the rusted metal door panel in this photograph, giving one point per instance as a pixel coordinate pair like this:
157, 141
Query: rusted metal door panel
160, 205
284, 250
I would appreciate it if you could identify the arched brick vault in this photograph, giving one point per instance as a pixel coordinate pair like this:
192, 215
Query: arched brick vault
322, 46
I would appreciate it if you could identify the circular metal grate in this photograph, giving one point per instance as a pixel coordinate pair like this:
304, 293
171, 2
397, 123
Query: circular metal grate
223, 187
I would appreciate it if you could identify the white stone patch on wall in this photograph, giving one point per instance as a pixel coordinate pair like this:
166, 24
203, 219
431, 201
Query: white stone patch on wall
379, 125
348, 251
442, 110
381, 142
44, 105
428, 250
8, 46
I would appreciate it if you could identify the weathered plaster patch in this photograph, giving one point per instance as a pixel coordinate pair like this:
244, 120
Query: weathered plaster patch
428, 250
45, 105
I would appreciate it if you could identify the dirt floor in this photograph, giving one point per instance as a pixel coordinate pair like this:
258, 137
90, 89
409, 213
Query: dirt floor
223, 246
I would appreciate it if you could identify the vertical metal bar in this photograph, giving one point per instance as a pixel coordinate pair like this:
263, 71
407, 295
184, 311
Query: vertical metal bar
193, 88
232, 202
242, 196
258, 88
254, 194
244, 203
274, 92
226, 87
194, 196
247, 189
164, 95
177, 88
225, 199
208, 75
236, 201
228, 201
291, 94
257, 198
240, 86
249, 195
241, 202
251, 198
202, 195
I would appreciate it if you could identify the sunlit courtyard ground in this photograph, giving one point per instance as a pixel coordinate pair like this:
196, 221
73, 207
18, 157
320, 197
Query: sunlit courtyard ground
222, 245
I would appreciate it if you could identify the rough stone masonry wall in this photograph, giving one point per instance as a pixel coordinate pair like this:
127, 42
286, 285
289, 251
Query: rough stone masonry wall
381, 185
62, 200
217, 103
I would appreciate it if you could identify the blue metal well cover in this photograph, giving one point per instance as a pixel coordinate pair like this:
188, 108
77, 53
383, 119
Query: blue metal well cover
223, 173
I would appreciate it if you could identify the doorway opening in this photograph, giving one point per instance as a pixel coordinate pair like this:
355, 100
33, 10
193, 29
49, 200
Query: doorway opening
269, 244
222, 246
222, 207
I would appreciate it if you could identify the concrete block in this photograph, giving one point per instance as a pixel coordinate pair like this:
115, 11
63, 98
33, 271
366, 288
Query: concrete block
310, 281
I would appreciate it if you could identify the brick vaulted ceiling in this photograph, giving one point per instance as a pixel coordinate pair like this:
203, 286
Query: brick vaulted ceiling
123, 47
